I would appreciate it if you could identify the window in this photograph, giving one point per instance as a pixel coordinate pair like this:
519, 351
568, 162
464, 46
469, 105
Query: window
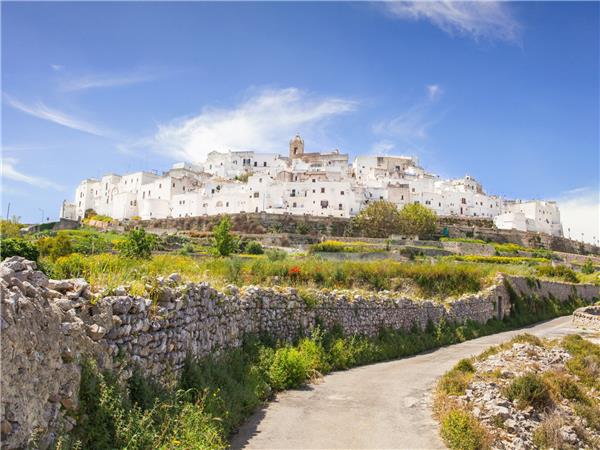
463, 201
159, 185
255, 163
226, 203
294, 204
212, 191
260, 180
322, 190
413, 189
256, 195
340, 207
173, 184
324, 204
293, 193
341, 192
265, 164
402, 197
314, 181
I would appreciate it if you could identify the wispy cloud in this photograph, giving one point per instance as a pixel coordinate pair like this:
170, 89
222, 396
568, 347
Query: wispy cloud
477, 19
106, 80
580, 213
262, 122
41, 111
413, 124
57, 67
10, 172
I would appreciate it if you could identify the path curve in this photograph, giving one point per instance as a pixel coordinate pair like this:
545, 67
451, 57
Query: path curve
379, 406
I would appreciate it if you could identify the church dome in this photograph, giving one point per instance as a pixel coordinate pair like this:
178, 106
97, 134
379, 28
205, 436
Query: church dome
297, 138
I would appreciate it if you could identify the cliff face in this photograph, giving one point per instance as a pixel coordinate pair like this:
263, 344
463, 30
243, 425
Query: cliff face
48, 326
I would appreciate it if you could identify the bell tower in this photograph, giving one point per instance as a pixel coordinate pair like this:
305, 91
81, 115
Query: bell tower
296, 147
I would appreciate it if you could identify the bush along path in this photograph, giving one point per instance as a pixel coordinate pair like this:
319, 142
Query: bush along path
213, 396
526, 393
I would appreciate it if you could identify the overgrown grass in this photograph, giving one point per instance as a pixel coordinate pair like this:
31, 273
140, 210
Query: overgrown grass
437, 280
212, 396
529, 389
461, 431
497, 259
344, 247
465, 240
563, 273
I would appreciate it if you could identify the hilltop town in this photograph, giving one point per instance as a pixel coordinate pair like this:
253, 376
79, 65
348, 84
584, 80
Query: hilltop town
301, 183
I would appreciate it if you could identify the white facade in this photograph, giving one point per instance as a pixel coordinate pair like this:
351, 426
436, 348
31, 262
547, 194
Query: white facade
316, 184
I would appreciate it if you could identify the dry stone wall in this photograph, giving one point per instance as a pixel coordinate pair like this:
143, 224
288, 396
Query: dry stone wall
49, 326
587, 317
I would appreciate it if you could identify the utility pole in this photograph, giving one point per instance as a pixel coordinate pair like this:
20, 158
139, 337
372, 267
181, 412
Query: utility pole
7, 211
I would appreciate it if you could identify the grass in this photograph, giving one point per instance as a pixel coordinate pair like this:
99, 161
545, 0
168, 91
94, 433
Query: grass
497, 259
529, 390
461, 431
562, 273
344, 247
464, 240
438, 280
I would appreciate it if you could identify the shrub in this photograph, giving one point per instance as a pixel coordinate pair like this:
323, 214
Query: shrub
224, 243
585, 361
289, 369
528, 390
510, 248
417, 220
457, 380
18, 247
302, 228
548, 434
55, 247
276, 255
254, 248
379, 219
10, 228
461, 431
562, 272
137, 244
496, 259
588, 267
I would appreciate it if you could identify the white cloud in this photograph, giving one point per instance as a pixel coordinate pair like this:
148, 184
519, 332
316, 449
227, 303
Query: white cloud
477, 19
382, 147
412, 124
41, 111
10, 172
105, 80
434, 91
263, 122
580, 212
57, 67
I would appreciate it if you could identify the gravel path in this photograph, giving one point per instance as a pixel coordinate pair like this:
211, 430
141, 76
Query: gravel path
380, 406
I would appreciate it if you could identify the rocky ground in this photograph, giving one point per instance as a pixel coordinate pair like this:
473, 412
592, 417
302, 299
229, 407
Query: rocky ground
513, 425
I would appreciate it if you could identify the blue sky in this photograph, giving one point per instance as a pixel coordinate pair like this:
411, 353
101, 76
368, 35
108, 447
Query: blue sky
506, 92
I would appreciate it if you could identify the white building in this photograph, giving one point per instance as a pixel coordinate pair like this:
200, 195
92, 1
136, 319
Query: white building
316, 184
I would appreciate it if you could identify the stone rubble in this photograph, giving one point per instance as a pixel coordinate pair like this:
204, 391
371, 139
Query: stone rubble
513, 427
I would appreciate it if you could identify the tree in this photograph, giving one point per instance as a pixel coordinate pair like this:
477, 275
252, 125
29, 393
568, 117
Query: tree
55, 247
417, 220
224, 243
379, 219
138, 244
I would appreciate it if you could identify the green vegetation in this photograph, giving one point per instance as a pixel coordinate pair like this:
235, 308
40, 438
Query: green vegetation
509, 248
137, 244
18, 247
588, 267
585, 361
561, 272
344, 247
224, 243
496, 259
380, 219
456, 380
10, 228
417, 220
252, 248
437, 280
528, 390
464, 240
461, 431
